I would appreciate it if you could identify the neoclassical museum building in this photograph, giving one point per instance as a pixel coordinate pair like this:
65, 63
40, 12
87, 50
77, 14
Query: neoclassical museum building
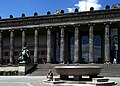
79, 37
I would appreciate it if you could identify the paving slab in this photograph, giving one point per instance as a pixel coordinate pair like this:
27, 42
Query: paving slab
38, 81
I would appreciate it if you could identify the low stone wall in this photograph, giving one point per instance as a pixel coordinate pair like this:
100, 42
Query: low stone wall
12, 70
15, 70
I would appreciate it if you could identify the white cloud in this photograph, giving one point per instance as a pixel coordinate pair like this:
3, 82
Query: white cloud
84, 5
71, 9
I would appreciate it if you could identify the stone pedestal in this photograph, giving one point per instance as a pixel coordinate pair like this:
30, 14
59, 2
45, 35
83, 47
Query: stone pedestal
21, 70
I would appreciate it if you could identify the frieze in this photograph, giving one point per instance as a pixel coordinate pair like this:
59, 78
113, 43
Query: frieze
61, 18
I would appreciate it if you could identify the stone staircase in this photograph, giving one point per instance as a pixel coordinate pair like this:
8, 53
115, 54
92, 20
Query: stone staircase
112, 70
42, 69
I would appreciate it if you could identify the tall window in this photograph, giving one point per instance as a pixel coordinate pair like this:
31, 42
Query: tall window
97, 49
85, 49
71, 47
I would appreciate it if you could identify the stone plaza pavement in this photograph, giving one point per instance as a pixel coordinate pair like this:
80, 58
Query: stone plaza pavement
36, 81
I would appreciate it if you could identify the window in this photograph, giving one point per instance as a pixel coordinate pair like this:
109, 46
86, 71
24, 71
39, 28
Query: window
16, 53
31, 52
43, 52
6, 53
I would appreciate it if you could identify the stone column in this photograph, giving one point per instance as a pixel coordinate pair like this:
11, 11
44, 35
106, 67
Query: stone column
107, 44
36, 45
23, 38
91, 50
1, 47
62, 45
12, 44
48, 45
76, 45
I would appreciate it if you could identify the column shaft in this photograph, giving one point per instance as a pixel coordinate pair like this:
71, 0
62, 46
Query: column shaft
36, 45
12, 44
91, 50
62, 45
23, 39
1, 47
107, 44
49, 45
76, 45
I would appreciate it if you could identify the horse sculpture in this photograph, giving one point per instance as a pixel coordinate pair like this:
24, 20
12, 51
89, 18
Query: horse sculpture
24, 55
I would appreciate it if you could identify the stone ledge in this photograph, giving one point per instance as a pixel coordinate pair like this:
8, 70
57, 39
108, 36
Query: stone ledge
53, 82
100, 79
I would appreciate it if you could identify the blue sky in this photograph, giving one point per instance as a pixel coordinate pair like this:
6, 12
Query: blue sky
17, 7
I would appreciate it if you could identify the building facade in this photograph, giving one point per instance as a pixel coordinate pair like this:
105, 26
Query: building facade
80, 37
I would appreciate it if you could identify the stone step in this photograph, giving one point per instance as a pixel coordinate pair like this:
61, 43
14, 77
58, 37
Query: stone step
100, 79
109, 83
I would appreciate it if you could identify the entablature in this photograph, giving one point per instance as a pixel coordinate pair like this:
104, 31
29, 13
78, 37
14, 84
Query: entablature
99, 16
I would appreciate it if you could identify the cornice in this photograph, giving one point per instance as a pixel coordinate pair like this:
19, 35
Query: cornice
63, 19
